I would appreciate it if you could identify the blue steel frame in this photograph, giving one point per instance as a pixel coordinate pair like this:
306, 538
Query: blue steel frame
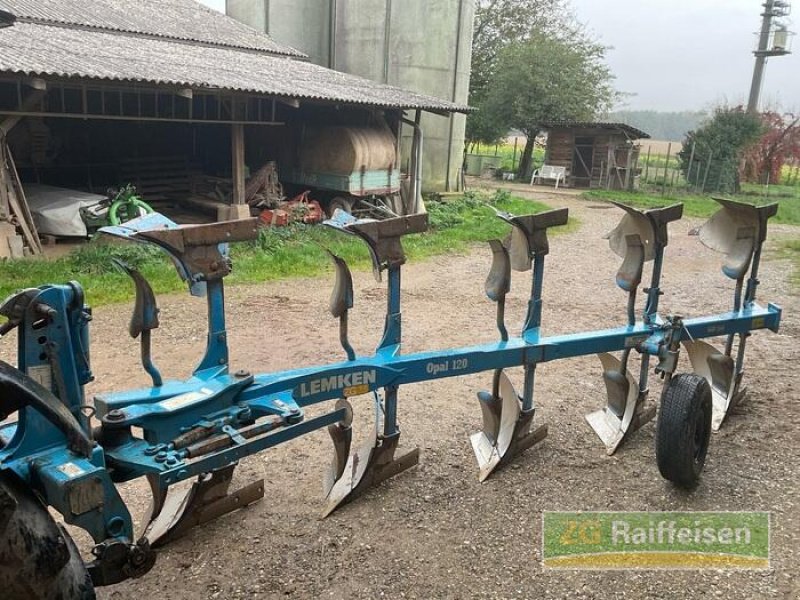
54, 340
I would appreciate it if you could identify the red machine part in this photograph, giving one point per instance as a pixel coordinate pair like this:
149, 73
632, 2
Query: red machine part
300, 208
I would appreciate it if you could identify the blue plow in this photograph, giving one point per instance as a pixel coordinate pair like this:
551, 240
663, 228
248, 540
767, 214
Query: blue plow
186, 437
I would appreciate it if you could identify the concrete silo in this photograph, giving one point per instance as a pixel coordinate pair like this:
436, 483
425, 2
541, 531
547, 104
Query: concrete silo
420, 45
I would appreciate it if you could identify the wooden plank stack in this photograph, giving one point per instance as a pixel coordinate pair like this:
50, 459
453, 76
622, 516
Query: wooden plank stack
18, 235
158, 178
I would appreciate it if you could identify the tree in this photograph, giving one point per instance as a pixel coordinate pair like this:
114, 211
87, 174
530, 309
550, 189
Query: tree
711, 154
546, 78
498, 24
779, 144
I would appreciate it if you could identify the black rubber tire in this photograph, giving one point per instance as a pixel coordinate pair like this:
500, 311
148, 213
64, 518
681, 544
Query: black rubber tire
38, 559
684, 429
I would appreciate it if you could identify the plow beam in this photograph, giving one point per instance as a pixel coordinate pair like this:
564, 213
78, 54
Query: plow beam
506, 428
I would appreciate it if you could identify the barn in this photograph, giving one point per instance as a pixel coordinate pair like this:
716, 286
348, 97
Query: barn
186, 103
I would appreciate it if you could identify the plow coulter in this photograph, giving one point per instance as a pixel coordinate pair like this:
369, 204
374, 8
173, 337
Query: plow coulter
59, 451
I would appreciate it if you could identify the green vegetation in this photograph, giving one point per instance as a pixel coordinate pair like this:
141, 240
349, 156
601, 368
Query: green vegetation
773, 192
543, 78
506, 151
655, 168
295, 251
696, 205
719, 143
533, 62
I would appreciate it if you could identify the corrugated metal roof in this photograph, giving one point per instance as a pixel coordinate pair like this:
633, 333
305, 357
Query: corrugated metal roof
629, 130
44, 50
176, 19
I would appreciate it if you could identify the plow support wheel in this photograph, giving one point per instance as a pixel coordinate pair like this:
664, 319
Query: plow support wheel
718, 369
506, 428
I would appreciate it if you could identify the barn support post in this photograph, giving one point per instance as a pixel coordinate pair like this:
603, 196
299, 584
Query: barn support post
238, 208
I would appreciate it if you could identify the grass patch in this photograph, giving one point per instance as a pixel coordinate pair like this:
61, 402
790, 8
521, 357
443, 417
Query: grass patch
791, 250
773, 192
697, 205
510, 158
295, 251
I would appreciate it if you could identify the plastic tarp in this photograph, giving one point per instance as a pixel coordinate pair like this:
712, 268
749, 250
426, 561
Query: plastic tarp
57, 211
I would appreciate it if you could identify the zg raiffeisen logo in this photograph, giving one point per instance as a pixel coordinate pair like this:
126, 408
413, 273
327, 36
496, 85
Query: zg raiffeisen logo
657, 540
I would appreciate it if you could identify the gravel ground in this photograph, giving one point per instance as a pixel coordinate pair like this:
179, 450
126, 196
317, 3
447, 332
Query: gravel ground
434, 531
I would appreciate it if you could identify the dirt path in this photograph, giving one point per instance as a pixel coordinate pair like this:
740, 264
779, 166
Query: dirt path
434, 531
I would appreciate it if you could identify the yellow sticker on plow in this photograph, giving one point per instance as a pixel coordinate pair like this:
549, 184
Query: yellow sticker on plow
355, 390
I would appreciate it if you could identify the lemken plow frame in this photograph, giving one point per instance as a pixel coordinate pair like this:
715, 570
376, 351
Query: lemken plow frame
196, 430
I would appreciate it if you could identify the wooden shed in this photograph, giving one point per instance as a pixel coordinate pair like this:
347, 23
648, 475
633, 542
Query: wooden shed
595, 154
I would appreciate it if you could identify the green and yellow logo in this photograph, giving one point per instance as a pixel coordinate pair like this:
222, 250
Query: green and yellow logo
655, 540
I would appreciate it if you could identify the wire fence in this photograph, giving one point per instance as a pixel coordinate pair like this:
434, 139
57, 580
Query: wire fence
695, 170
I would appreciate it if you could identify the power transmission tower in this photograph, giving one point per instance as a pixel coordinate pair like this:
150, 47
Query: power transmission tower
773, 41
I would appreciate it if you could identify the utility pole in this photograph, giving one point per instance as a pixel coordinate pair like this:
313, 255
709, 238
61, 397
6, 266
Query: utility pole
779, 37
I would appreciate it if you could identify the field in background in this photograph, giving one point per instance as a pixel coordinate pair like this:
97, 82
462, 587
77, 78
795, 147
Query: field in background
510, 153
660, 147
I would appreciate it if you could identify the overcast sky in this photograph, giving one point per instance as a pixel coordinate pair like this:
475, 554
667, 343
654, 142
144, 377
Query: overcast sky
684, 54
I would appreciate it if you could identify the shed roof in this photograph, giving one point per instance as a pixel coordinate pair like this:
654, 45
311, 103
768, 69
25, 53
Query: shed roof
34, 49
177, 43
185, 20
630, 131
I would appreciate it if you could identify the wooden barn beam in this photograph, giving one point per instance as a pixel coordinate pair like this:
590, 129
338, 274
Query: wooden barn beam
7, 124
237, 147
